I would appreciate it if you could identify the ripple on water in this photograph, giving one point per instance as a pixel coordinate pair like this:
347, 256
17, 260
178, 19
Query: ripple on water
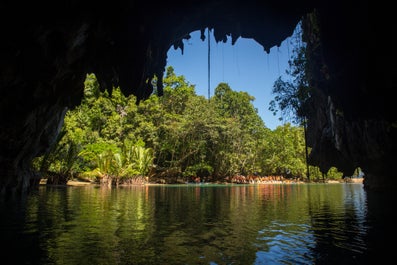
282, 243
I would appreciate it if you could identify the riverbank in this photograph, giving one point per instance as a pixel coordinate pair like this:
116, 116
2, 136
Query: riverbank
77, 182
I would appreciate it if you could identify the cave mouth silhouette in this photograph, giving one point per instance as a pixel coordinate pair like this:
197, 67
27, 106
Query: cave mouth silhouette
47, 54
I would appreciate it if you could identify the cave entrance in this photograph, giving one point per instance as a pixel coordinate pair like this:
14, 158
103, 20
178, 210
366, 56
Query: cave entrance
109, 126
106, 126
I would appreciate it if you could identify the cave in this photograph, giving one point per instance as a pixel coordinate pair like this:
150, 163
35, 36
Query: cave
47, 49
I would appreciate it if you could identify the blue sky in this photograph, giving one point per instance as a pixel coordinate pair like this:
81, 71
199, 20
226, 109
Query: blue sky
245, 66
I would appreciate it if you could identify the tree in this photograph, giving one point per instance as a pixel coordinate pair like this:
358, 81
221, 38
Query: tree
245, 129
285, 151
176, 91
293, 95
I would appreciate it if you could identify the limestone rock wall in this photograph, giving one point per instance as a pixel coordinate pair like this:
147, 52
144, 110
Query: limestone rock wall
352, 121
47, 48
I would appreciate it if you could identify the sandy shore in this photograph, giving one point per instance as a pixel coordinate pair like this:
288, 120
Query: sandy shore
70, 183
79, 183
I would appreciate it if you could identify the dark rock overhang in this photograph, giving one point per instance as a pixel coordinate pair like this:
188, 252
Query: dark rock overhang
48, 47
126, 42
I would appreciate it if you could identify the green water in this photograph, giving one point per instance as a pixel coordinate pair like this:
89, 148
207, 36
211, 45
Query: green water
189, 224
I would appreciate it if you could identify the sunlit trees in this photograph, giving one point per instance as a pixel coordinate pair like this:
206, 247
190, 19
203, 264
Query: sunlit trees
180, 136
286, 152
244, 130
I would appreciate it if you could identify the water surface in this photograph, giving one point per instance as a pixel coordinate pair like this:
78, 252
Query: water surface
190, 224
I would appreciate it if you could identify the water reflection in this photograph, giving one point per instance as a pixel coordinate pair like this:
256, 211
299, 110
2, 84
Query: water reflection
189, 224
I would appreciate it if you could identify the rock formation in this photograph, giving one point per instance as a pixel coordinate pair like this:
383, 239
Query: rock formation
47, 49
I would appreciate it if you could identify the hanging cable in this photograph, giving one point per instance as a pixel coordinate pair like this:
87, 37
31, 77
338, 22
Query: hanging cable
209, 65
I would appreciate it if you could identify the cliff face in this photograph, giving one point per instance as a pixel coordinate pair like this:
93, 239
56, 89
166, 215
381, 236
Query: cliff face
48, 48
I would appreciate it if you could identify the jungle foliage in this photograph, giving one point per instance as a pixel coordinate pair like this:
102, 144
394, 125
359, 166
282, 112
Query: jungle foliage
179, 136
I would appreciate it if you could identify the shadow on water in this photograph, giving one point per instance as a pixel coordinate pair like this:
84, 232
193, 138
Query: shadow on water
381, 236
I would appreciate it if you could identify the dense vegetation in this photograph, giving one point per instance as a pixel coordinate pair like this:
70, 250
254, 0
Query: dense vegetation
180, 136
